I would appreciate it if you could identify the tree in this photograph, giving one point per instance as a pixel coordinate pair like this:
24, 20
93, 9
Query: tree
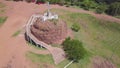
74, 49
87, 4
114, 9
61, 2
102, 7
107, 1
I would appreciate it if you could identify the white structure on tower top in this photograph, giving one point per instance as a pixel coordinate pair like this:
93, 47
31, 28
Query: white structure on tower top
48, 15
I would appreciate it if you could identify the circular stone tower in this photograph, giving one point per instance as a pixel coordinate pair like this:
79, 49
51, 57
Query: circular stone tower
50, 31
49, 28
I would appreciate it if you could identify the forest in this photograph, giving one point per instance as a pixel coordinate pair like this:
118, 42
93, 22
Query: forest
111, 7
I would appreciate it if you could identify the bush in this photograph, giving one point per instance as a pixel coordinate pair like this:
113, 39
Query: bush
87, 4
68, 4
28, 1
17, 0
74, 49
75, 27
61, 2
114, 9
102, 7
41, 1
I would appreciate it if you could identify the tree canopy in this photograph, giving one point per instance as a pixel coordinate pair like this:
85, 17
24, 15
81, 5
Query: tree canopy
74, 49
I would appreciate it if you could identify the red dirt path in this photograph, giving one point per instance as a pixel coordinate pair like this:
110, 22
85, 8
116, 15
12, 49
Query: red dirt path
13, 49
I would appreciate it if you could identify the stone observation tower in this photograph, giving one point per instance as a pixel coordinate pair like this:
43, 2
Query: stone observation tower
44, 30
48, 15
49, 28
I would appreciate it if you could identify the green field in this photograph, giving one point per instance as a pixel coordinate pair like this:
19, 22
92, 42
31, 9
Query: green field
99, 37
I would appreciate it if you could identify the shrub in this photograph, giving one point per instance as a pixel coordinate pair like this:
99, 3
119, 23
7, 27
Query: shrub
114, 9
75, 27
61, 2
68, 4
74, 49
87, 4
102, 7
28, 1
41, 1
17, 0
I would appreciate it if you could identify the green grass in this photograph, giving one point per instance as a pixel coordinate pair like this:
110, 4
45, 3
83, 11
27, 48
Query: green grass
16, 33
2, 20
118, 16
35, 47
47, 59
99, 37
40, 58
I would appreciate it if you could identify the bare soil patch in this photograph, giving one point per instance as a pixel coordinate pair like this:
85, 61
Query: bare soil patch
99, 62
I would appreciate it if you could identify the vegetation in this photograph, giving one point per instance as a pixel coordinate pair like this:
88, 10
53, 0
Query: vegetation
114, 9
75, 27
16, 33
40, 58
2, 20
99, 37
101, 8
88, 4
74, 49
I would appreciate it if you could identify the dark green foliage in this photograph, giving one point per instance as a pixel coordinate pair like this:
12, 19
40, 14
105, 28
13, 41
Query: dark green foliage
43, 1
98, 5
61, 2
114, 9
28, 1
102, 7
17, 0
74, 49
75, 27
107, 1
87, 4
67, 4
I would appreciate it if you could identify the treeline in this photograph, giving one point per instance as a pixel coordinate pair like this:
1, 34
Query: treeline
111, 7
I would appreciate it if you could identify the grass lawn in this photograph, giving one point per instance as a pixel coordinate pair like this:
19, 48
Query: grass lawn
99, 37
47, 59
40, 59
